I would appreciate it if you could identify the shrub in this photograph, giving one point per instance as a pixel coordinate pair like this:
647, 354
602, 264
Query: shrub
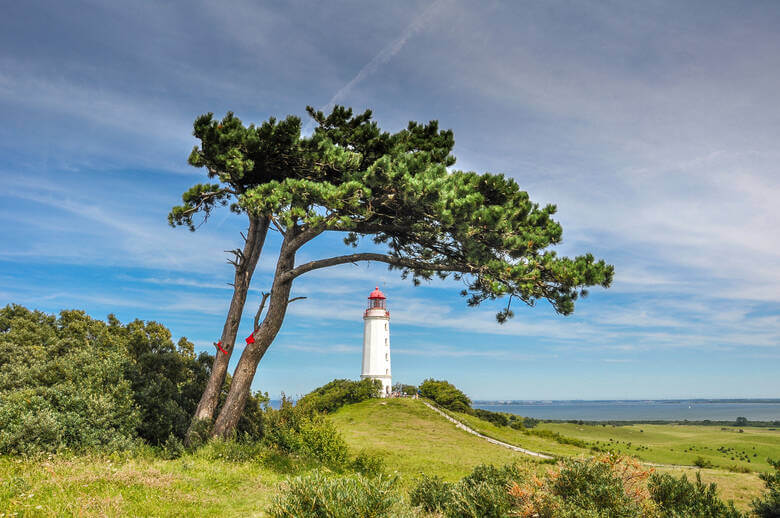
283, 426
701, 462
368, 464
446, 395
298, 430
561, 439
431, 494
320, 496
478, 500
320, 440
167, 380
678, 498
483, 493
492, 417
173, 448
74, 382
340, 392
530, 422
62, 383
768, 506
606, 486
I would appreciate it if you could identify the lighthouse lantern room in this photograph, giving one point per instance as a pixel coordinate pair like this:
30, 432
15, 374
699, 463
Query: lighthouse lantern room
376, 341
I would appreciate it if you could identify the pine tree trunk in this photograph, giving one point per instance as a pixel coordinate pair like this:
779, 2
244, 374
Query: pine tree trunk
240, 385
258, 229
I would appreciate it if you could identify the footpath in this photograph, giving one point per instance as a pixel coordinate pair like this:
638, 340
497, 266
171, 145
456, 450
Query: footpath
470, 430
532, 453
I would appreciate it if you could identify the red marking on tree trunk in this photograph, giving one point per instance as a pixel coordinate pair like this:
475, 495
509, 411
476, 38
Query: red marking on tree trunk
250, 339
219, 346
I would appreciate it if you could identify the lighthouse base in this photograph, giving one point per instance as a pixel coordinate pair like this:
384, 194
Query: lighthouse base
387, 383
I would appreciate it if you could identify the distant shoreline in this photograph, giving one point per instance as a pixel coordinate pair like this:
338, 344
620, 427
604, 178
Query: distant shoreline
617, 401
701, 411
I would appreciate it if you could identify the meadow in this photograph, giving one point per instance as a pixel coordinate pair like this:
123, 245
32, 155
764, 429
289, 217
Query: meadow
409, 437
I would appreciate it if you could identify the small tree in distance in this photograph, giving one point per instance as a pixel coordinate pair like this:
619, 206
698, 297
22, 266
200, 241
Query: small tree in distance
353, 178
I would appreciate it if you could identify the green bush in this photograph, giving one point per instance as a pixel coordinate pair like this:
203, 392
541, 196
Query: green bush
340, 392
283, 426
368, 464
62, 384
478, 500
701, 462
492, 417
446, 395
679, 498
530, 422
768, 506
296, 429
167, 380
320, 440
483, 493
595, 486
173, 448
320, 496
431, 494
605, 487
560, 439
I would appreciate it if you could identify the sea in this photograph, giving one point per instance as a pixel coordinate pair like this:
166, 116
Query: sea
650, 410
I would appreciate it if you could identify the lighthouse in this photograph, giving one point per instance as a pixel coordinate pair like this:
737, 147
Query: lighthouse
376, 341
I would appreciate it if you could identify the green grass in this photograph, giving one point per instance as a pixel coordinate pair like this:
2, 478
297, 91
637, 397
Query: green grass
519, 438
412, 439
100, 486
681, 444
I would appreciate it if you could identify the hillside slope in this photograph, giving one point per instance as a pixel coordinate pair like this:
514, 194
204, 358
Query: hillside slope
412, 438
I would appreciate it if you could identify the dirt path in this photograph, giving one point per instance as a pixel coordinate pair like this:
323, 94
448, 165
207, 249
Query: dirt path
532, 453
488, 439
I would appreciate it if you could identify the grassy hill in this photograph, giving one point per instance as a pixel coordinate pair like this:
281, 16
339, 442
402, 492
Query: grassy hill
410, 438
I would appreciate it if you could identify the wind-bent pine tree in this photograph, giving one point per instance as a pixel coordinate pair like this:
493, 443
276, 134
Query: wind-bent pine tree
239, 158
353, 178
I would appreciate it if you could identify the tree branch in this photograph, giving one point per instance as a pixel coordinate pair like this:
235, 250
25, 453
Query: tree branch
382, 258
278, 226
260, 310
204, 197
295, 298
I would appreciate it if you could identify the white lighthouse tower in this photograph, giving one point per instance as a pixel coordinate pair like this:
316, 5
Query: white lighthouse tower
376, 341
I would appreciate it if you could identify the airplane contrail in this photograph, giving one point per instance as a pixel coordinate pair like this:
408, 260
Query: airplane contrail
387, 53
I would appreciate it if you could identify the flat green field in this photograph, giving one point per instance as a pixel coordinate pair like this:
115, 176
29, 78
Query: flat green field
682, 444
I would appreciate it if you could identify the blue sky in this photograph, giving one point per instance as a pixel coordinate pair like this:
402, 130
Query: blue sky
652, 126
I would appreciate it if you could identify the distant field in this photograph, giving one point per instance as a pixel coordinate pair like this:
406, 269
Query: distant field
725, 448
682, 444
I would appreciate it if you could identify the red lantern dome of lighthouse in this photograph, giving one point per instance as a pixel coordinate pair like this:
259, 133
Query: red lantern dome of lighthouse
376, 294
377, 301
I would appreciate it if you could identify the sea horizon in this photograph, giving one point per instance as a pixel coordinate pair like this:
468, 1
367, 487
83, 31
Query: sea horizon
698, 409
